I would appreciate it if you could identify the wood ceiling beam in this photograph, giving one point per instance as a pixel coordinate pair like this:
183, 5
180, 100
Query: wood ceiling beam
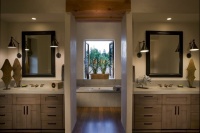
98, 10
77, 5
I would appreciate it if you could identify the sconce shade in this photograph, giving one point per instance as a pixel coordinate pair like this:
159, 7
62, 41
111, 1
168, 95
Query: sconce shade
11, 44
144, 48
54, 43
193, 46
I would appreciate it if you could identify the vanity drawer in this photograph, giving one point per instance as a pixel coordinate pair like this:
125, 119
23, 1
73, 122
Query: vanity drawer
176, 99
148, 99
26, 99
147, 125
5, 99
5, 108
52, 125
194, 117
153, 109
5, 116
194, 108
56, 99
148, 117
51, 116
5, 124
52, 108
194, 99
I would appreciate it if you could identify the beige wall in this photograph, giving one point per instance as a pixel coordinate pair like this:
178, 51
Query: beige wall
190, 31
15, 30
98, 30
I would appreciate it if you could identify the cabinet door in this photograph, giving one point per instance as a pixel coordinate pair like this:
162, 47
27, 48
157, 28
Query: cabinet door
33, 120
169, 117
19, 116
183, 117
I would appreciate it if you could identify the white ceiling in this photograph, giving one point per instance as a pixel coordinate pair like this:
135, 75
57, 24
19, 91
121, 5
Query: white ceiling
143, 10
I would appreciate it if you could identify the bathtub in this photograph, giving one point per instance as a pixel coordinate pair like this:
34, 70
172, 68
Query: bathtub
98, 97
95, 89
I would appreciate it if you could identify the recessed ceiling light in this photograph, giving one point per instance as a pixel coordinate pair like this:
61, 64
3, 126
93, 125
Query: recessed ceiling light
33, 18
169, 18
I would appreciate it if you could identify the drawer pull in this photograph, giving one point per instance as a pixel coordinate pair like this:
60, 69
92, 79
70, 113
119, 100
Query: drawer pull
147, 123
27, 110
2, 106
3, 115
51, 107
148, 107
148, 115
51, 123
148, 96
52, 115
2, 123
2, 95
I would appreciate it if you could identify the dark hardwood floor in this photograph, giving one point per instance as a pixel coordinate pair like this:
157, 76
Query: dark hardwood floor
98, 120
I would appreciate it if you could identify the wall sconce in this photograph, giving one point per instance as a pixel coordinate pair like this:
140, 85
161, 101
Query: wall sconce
12, 45
144, 49
192, 47
26, 47
54, 44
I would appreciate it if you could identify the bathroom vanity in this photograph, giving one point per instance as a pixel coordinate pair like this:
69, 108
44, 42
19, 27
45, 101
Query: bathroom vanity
31, 109
166, 109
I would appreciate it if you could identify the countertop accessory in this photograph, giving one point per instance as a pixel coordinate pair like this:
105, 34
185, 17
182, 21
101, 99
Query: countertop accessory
6, 69
141, 81
53, 85
191, 69
17, 72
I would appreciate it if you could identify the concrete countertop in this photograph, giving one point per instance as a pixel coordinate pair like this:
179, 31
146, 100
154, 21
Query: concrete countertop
32, 90
164, 90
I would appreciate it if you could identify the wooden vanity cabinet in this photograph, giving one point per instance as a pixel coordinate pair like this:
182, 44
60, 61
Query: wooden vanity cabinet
147, 111
52, 111
194, 112
176, 111
26, 111
5, 111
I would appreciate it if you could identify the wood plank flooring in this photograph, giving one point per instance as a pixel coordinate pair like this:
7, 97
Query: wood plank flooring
98, 120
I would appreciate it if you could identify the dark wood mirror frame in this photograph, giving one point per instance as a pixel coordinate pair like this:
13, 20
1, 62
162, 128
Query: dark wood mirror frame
24, 34
180, 35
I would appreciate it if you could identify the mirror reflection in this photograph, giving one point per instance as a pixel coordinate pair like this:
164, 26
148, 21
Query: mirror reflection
165, 56
39, 59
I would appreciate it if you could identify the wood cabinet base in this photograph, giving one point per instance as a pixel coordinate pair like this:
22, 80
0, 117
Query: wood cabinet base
32, 131
165, 131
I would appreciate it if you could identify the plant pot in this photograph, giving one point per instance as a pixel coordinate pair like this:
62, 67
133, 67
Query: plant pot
99, 76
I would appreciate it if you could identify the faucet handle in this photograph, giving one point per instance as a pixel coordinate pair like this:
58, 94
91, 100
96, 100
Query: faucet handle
160, 85
41, 85
170, 85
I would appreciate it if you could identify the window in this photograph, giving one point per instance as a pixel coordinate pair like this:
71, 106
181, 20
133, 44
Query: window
99, 57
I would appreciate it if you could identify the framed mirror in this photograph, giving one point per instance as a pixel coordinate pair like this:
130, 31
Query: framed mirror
39, 60
165, 56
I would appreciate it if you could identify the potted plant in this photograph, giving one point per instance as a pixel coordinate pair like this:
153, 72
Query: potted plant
99, 61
